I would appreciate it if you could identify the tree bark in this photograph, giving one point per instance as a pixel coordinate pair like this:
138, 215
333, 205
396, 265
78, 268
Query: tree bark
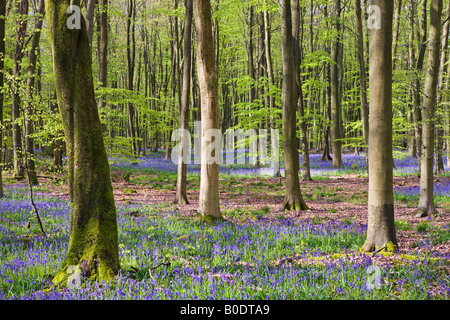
306, 170
440, 114
362, 77
293, 199
19, 171
2, 63
103, 49
29, 126
181, 195
131, 52
208, 207
335, 97
426, 202
93, 245
381, 229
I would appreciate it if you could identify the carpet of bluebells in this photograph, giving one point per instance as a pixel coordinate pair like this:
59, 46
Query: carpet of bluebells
165, 255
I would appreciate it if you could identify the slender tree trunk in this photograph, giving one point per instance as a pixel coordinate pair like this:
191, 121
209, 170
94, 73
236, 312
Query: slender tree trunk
426, 202
362, 77
335, 100
29, 126
306, 171
93, 245
417, 87
293, 199
398, 10
181, 195
18, 55
440, 114
130, 68
2, 56
208, 207
103, 49
381, 229
412, 60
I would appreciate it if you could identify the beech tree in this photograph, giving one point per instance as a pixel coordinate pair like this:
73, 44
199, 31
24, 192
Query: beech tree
2, 63
381, 229
181, 196
93, 245
208, 206
293, 199
426, 201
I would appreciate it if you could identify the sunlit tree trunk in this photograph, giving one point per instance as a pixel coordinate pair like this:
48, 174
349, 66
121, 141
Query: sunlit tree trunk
93, 245
381, 229
335, 100
426, 202
293, 199
181, 196
208, 206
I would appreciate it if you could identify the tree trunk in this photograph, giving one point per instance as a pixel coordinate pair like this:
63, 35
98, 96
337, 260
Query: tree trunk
103, 49
398, 10
181, 195
2, 63
18, 55
208, 206
29, 127
93, 245
426, 202
335, 100
381, 229
131, 50
440, 114
306, 171
362, 77
293, 199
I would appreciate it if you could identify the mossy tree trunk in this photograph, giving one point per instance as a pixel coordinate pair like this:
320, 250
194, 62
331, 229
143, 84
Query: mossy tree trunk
93, 242
293, 199
381, 229
207, 77
2, 55
181, 196
426, 202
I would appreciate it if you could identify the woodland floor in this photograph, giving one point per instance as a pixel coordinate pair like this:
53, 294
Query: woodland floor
338, 198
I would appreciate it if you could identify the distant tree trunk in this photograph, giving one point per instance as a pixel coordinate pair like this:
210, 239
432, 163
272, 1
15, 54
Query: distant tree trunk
90, 13
18, 55
103, 49
93, 245
131, 50
412, 60
29, 126
327, 101
426, 202
362, 76
2, 56
381, 229
208, 207
440, 132
335, 100
181, 195
293, 199
417, 88
398, 10
306, 171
